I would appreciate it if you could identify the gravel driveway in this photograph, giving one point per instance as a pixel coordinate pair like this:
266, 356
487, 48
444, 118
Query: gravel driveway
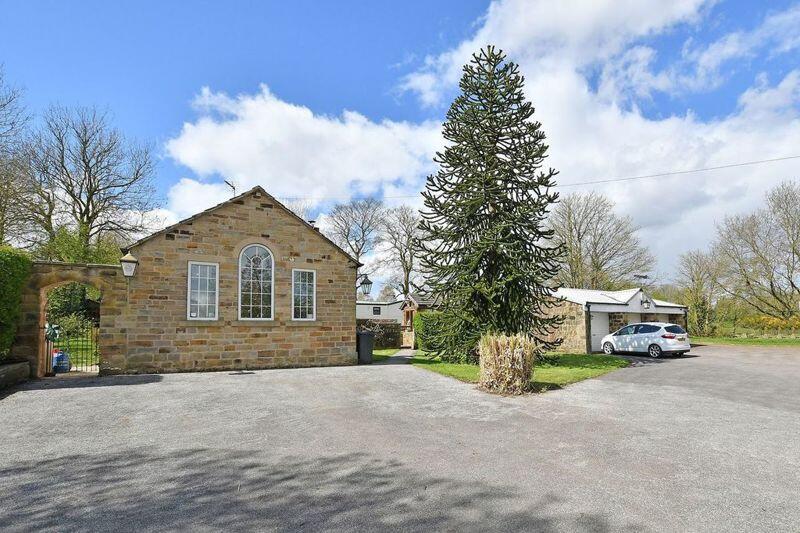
703, 443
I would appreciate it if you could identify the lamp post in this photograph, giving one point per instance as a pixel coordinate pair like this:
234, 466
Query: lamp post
128, 263
365, 284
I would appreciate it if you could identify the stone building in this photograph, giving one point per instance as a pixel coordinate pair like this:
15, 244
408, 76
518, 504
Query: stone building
414, 303
246, 284
590, 315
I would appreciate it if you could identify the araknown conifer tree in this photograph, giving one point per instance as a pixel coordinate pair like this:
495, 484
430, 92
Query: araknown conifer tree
487, 255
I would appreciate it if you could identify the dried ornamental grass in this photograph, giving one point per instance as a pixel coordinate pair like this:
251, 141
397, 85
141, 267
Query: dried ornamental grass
506, 363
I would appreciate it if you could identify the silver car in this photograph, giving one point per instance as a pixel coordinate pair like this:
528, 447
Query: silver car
652, 338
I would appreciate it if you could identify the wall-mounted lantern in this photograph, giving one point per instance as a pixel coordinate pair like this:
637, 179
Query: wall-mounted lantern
365, 285
129, 263
646, 303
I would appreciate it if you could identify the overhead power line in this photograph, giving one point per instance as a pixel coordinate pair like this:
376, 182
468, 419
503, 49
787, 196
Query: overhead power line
679, 172
604, 180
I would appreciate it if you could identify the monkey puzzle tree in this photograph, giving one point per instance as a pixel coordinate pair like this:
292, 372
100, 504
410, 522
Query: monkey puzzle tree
485, 249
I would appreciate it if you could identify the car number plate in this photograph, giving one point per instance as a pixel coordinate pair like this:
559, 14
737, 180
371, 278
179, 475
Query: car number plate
681, 337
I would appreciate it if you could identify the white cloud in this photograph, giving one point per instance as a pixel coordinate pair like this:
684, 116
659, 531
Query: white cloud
550, 34
593, 133
596, 134
293, 152
188, 196
702, 66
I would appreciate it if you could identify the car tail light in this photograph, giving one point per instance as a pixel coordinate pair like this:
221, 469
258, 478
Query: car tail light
668, 336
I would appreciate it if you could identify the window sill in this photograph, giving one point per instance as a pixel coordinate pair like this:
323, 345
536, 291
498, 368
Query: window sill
275, 323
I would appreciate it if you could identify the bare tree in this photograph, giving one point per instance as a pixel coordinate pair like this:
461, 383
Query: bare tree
731, 311
387, 293
399, 236
40, 212
602, 248
12, 216
761, 254
698, 278
13, 116
13, 120
79, 163
299, 207
356, 226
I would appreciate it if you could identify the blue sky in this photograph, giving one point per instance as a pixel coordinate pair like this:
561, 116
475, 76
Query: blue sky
329, 100
146, 60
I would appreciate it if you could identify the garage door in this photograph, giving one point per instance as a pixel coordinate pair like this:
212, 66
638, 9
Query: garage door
599, 330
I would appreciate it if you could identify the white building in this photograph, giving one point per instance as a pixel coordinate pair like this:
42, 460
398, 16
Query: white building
593, 314
380, 311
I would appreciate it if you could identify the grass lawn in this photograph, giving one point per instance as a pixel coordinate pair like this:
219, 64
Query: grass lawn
570, 368
756, 341
82, 350
384, 353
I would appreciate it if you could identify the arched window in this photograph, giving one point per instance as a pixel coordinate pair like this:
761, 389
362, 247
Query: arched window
255, 283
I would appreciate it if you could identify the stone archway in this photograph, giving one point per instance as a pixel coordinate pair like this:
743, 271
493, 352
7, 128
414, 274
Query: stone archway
46, 275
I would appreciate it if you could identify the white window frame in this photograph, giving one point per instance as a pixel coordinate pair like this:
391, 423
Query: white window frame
271, 284
313, 318
189, 291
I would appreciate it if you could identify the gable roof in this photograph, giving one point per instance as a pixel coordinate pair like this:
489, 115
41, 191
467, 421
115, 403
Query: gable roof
421, 300
623, 297
256, 189
663, 303
584, 296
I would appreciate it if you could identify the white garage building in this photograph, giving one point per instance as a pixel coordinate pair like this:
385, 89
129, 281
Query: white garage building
592, 314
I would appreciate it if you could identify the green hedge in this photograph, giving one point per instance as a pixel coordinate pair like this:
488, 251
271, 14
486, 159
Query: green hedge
387, 334
424, 326
15, 267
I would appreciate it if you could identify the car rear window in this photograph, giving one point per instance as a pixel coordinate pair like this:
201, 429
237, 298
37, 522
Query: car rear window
675, 329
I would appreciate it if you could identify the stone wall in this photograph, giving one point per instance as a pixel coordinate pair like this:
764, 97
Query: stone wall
573, 330
161, 338
28, 342
616, 321
13, 373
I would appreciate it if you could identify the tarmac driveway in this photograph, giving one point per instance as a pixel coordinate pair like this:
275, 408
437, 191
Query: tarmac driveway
696, 444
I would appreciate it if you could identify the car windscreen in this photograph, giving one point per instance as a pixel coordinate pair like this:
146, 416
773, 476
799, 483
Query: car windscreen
675, 329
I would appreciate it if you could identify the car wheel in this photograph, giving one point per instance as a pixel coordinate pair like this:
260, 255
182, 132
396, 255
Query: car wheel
654, 351
608, 348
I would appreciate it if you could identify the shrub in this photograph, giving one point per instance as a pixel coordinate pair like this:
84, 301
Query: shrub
387, 334
424, 325
69, 299
506, 363
73, 325
419, 333
15, 266
438, 332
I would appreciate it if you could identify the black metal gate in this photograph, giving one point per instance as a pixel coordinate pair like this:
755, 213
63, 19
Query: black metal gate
72, 349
